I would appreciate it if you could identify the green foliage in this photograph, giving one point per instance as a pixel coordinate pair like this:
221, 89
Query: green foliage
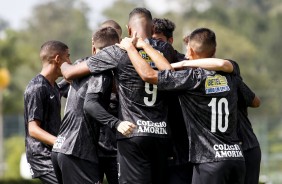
14, 147
247, 31
56, 20
20, 181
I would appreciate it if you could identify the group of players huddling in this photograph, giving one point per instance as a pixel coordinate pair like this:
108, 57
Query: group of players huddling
140, 112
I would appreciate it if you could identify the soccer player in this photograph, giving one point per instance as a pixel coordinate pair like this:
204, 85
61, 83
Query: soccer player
180, 170
142, 155
163, 30
74, 154
209, 103
113, 24
107, 147
250, 144
42, 109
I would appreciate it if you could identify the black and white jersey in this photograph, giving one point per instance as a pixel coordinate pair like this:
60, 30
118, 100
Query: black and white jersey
210, 112
102, 85
78, 134
245, 130
180, 56
246, 97
107, 139
139, 102
76, 137
41, 103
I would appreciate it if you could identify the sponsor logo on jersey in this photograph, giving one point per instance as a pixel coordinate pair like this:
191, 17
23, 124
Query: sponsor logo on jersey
216, 84
151, 127
227, 151
147, 58
59, 142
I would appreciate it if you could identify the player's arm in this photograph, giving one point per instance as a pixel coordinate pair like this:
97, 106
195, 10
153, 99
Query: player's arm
256, 102
96, 111
206, 63
70, 71
38, 133
247, 95
141, 66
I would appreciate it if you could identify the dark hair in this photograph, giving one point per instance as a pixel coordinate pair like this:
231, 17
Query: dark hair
140, 11
113, 24
203, 41
164, 26
105, 37
51, 48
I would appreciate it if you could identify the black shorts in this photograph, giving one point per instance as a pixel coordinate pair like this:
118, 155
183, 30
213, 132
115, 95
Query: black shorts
49, 178
181, 174
252, 161
143, 160
108, 167
223, 172
72, 170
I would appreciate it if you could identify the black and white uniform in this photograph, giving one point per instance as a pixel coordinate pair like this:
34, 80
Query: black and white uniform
74, 154
41, 103
107, 151
250, 144
210, 111
180, 169
99, 98
143, 157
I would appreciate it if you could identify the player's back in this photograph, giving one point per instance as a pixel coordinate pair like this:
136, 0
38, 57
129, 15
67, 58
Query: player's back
76, 136
211, 111
140, 102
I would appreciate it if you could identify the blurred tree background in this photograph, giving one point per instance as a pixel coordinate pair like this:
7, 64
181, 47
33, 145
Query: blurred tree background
247, 32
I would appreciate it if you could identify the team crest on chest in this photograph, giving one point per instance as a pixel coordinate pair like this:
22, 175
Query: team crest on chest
216, 84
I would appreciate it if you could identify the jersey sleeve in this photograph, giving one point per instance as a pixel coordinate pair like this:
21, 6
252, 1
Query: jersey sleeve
34, 100
105, 59
93, 105
179, 80
236, 68
99, 83
170, 54
64, 87
245, 94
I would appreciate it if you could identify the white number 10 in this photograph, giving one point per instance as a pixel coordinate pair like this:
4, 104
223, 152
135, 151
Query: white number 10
152, 91
218, 106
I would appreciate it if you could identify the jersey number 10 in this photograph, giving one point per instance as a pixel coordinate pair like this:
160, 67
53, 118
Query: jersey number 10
216, 110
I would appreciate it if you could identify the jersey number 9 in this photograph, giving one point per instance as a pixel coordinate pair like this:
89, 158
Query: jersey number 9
150, 89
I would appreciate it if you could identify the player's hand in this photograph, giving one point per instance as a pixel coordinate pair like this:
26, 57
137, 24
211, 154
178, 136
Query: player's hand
140, 44
126, 128
126, 42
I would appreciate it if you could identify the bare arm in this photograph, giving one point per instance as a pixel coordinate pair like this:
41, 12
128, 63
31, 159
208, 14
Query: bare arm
206, 63
38, 133
74, 71
256, 102
141, 66
160, 61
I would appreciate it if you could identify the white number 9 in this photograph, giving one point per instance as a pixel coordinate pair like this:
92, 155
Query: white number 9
150, 89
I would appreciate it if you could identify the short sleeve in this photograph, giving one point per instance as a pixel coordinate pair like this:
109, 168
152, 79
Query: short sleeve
35, 100
245, 94
105, 59
100, 83
179, 80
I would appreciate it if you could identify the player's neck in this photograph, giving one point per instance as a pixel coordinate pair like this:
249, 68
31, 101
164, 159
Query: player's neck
49, 74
